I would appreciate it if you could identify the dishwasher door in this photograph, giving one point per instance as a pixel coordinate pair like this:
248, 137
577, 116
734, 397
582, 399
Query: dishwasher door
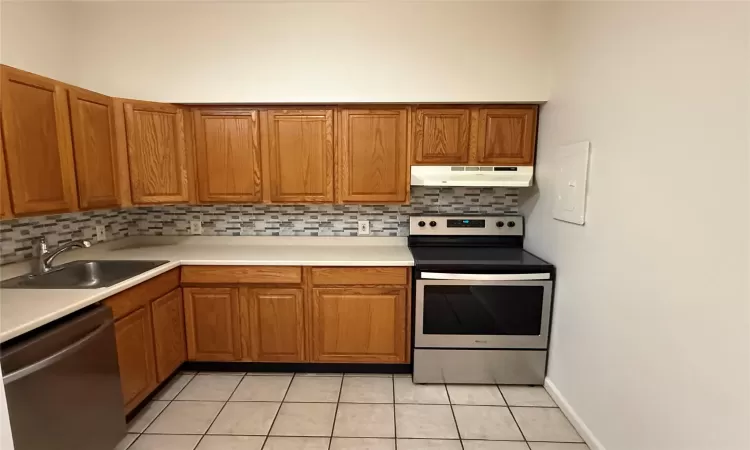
63, 386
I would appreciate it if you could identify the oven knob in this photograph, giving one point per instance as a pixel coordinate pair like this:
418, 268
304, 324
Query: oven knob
500, 223
433, 224
511, 224
421, 223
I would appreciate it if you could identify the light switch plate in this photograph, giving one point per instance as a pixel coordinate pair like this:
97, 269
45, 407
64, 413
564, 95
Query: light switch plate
101, 233
572, 162
363, 227
196, 227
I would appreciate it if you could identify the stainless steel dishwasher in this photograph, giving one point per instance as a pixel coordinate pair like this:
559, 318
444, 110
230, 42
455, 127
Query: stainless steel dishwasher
63, 385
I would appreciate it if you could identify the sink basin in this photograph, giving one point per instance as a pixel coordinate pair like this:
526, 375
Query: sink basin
82, 275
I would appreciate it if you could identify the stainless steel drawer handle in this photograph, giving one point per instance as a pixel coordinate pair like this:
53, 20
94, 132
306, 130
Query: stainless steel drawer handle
485, 276
55, 357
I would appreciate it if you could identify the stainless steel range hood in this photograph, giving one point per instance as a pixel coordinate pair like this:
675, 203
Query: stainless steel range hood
472, 176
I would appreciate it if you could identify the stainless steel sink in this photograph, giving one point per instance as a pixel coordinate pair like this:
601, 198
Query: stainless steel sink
82, 275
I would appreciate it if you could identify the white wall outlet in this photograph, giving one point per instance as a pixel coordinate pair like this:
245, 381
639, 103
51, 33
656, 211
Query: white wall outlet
101, 233
196, 227
363, 227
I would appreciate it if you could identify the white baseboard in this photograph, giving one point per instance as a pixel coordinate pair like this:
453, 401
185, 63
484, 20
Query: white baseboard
574, 419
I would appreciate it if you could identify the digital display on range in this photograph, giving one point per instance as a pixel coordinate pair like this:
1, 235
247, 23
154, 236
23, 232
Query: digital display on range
465, 223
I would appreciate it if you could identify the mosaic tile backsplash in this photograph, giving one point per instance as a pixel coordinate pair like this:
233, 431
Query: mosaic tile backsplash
17, 235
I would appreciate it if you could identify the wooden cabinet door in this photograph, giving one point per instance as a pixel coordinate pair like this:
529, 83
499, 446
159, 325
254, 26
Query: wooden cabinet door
135, 354
441, 135
373, 156
212, 324
298, 149
92, 119
507, 136
228, 155
156, 153
272, 324
38, 150
169, 333
359, 325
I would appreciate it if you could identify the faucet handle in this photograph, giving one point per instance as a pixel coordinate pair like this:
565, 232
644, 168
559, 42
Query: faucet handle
41, 245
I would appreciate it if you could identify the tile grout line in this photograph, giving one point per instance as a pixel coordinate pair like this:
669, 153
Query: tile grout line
338, 402
220, 410
395, 425
453, 413
169, 402
288, 388
175, 398
507, 404
336, 412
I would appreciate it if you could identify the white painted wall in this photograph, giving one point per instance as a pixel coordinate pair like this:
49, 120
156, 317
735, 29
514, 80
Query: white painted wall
651, 328
38, 37
374, 51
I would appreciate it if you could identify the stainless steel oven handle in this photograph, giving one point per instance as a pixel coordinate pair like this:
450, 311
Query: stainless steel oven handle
484, 276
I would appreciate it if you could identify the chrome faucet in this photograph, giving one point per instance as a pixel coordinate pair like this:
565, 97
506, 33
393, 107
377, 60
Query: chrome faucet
43, 263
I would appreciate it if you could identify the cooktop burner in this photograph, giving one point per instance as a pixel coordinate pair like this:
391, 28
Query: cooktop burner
478, 243
473, 257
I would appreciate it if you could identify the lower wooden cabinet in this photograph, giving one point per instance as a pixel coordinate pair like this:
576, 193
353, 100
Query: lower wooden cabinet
366, 324
150, 334
135, 354
321, 314
212, 323
273, 325
169, 333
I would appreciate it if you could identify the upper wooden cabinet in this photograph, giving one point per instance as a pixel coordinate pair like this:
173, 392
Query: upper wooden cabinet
212, 322
272, 321
66, 148
298, 155
228, 155
156, 152
373, 156
441, 135
38, 150
5, 207
507, 135
473, 135
92, 119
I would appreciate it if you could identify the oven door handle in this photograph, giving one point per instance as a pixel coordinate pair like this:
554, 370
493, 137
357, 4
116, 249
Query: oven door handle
484, 276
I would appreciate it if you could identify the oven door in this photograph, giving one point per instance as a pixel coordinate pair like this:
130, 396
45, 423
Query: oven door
482, 310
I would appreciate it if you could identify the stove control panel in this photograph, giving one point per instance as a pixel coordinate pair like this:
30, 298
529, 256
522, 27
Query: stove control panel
466, 225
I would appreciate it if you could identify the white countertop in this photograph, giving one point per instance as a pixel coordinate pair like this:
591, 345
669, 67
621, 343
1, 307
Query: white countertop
23, 310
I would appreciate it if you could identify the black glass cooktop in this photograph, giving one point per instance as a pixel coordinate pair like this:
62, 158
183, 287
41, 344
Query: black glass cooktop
479, 258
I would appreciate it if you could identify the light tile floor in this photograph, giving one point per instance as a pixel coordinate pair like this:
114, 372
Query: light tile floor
239, 411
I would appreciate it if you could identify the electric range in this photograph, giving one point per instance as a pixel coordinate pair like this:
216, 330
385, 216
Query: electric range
482, 304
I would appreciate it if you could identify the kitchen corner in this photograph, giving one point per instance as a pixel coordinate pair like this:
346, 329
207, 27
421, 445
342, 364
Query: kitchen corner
26, 309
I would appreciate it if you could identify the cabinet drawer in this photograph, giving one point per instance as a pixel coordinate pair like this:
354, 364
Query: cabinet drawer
127, 301
242, 274
359, 275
